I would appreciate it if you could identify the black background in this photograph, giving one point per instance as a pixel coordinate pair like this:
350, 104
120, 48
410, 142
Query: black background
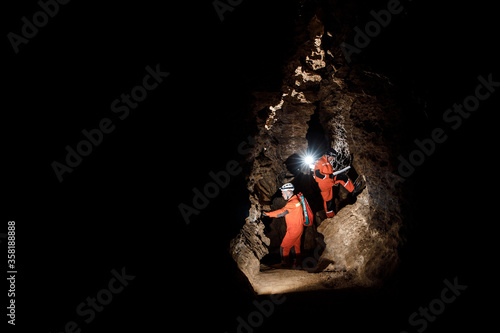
119, 207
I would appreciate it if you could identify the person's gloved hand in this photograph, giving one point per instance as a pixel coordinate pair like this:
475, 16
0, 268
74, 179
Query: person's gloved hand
265, 213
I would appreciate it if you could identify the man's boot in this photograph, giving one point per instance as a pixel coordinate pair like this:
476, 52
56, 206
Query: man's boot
359, 185
297, 262
285, 262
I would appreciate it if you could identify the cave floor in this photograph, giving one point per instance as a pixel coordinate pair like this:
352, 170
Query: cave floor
272, 280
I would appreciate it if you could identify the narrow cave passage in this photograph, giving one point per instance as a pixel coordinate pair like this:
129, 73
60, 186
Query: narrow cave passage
311, 272
301, 176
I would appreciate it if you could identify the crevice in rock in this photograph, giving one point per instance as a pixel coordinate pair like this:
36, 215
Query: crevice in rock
317, 139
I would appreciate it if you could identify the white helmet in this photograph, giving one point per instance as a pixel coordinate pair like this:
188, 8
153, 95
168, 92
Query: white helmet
287, 187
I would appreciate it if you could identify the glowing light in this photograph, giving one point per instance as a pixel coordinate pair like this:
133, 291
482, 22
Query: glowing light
309, 159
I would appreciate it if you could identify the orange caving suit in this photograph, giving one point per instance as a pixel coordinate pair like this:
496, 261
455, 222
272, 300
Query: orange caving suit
294, 217
323, 175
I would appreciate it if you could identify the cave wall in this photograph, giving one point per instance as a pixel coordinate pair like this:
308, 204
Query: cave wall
361, 121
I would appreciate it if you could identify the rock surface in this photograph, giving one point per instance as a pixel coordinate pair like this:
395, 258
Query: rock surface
359, 119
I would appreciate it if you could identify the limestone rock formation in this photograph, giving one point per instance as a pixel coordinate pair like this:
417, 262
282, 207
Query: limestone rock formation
361, 120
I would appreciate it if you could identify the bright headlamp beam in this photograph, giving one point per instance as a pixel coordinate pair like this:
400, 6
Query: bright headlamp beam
309, 160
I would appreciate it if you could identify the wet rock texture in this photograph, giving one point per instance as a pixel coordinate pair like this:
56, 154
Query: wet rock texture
361, 121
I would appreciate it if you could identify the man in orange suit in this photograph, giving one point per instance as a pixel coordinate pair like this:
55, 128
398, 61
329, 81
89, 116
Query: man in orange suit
323, 174
294, 218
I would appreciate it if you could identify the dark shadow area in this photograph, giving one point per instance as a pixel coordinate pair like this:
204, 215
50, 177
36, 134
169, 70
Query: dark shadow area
275, 231
342, 309
317, 139
295, 164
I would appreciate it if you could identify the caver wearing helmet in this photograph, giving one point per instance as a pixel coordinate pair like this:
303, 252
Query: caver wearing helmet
293, 213
287, 190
